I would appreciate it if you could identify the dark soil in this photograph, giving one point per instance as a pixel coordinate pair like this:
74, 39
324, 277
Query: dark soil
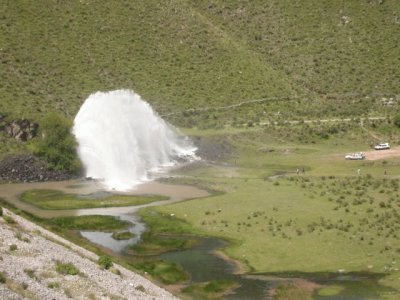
28, 168
213, 148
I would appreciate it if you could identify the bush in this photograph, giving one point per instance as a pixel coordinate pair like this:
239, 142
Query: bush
105, 262
30, 273
53, 285
57, 145
13, 247
3, 277
66, 269
1, 211
9, 220
396, 120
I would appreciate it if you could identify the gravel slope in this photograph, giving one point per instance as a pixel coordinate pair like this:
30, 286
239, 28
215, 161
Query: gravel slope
30, 269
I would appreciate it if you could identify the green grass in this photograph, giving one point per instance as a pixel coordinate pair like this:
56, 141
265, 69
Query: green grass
165, 233
342, 220
182, 61
3, 277
292, 222
210, 290
105, 262
156, 244
9, 220
329, 291
124, 235
166, 272
184, 54
291, 291
53, 199
66, 268
91, 222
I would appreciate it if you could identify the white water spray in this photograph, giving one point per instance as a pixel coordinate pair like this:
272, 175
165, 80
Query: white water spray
122, 140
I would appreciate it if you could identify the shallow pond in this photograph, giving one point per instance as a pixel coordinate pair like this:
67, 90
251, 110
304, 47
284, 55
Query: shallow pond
203, 266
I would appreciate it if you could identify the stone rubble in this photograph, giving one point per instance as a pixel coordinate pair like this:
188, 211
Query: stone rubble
30, 269
28, 168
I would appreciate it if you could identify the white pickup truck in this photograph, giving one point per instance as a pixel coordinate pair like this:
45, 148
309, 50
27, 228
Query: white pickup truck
355, 156
382, 146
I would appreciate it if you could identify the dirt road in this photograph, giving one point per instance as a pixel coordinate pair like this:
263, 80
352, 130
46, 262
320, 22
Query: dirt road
382, 154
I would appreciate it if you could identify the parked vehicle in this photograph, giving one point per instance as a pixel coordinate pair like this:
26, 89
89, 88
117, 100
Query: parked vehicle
355, 156
382, 146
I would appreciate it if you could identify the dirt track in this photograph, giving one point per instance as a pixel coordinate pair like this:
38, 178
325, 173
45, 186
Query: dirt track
382, 154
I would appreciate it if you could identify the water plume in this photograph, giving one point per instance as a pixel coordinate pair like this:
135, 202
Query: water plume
122, 140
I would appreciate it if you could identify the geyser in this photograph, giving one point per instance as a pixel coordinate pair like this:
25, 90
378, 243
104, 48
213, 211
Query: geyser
122, 140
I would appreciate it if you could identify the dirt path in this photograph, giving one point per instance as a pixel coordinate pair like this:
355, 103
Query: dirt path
382, 154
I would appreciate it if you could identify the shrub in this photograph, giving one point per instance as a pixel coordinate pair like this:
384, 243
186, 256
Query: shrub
105, 262
30, 273
140, 288
57, 144
3, 277
9, 220
13, 247
116, 271
1, 211
396, 120
66, 269
53, 285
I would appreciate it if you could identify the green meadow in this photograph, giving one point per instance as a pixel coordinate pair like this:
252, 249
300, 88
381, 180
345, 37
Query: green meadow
327, 219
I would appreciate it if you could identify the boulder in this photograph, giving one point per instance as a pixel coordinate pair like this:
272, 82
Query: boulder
22, 129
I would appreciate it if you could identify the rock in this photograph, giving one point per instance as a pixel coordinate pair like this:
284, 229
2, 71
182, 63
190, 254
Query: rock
22, 129
28, 168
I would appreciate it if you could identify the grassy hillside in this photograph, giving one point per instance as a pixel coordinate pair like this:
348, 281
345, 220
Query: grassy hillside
308, 58
56, 53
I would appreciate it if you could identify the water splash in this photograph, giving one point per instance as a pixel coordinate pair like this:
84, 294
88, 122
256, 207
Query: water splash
122, 140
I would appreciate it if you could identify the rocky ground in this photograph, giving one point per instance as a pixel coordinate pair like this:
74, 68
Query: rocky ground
28, 258
28, 168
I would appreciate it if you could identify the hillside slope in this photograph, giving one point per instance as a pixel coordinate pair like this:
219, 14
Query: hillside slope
35, 255
182, 54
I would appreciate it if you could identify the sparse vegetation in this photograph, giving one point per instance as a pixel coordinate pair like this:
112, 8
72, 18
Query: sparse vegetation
3, 277
328, 206
124, 235
163, 234
225, 54
66, 268
30, 273
210, 290
105, 262
291, 291
91, 222
166, 272
53, 285
9, 219
52, 199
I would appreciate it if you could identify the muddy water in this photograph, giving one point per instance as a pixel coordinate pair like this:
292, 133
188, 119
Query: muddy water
175, 193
